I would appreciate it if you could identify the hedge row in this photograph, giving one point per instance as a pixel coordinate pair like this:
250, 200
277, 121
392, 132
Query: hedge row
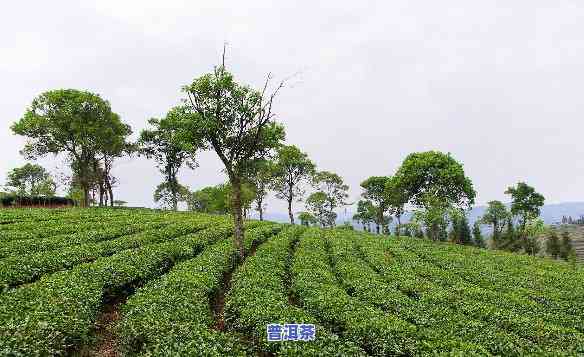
95, 233
56, 313
318, 289
440, 327
259, 297
46, 229
172, 315
14, 200
26, 268
503, 324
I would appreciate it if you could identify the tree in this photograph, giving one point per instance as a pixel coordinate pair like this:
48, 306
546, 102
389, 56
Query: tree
526, 203
430, 177
334, 189
365, 214
436, 183
477, 235
112, 147
461, 230
552, 244
68, 121
168, 195
397, 198
318, 205
31, 180
166, 142
306, 219
374, 191
237, 122
262, 178
566, 248
292, 168
496, 215
217, 199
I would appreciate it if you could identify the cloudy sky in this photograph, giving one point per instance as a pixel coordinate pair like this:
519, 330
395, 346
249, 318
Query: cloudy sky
499, 84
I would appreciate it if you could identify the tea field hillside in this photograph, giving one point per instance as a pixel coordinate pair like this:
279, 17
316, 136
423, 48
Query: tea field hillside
110, 282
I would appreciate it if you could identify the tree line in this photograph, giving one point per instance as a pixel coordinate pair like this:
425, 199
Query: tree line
237, 122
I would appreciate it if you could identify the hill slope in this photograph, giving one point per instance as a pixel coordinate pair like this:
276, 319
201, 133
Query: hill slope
103, 281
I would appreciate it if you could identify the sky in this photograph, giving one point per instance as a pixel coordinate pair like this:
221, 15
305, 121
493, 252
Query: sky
498, 84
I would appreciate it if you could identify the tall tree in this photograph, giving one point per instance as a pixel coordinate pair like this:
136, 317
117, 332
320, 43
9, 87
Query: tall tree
307, 219
318, 205
374, 191
526, 202
496, 215
552, 244
292, 169
526, 205
166, 142
261, 178
435, 182
114, 146
397, 198
237, 122
167, 194
31, 180
68, 121
478, 235
566, 248
365, 214
334, 189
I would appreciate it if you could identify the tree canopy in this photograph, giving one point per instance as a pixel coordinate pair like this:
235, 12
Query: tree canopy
32, 180
78, 123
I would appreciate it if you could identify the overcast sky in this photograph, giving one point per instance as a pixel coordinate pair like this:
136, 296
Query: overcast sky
499, 84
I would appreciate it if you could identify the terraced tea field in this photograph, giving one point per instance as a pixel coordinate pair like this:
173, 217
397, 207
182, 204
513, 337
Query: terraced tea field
141, 282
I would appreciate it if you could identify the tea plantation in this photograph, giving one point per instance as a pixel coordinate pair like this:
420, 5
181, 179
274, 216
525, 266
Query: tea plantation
143, 282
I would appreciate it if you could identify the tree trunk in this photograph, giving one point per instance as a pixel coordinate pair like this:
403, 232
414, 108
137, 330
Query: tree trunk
261, 210
377, 228
398, 224
237, 218
290, 210
85, 196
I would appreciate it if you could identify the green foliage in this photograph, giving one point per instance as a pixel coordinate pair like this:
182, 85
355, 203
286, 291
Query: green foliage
526, 202
566, 249
477, 235
78, 123
430, 177
365, 214
31, 180
218, 199
291, 169
318, 204
496, 215
553, 244
237, 122
306, 219
169, 145
375, 192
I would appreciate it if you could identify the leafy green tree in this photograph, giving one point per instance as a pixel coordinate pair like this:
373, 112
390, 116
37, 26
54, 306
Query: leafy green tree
76, 123
478, 235
430, 177
334, 189
526, 203
318, 205
436, 183
460, 232
306, 219
374, 191
397, 198
365, 214
552, 244
292, 168
496, 215
237, 122
217, 199
165, 142
167, 195
31, 180
566, 248
262, 179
